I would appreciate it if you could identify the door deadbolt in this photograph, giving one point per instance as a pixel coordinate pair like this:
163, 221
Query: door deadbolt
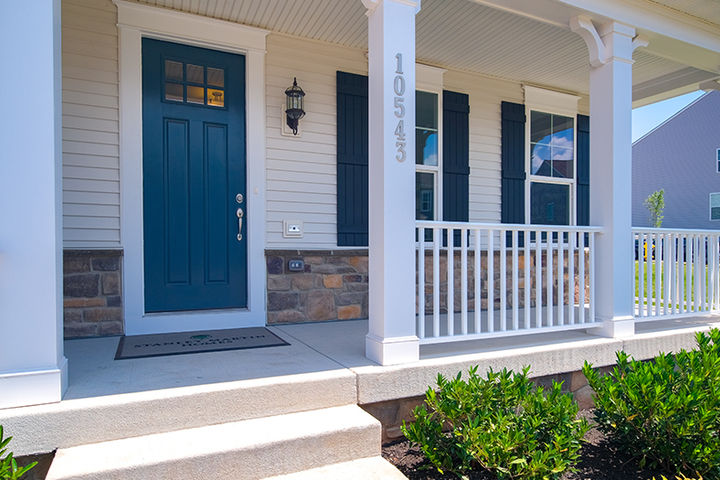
239, 198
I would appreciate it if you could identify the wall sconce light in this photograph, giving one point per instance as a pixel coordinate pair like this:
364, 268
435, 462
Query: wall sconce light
294, 106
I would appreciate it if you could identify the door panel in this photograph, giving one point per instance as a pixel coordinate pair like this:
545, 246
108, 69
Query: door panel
193, 168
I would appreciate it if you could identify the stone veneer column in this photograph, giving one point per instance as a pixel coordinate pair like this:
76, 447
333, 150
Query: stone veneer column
611, 47
32, 366
391, 62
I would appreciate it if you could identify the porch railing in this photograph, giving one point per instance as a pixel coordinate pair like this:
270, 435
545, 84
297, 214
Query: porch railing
477, 280
677, 273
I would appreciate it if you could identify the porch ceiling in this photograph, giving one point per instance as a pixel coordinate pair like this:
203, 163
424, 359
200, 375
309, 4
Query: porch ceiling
473, 37
701, 9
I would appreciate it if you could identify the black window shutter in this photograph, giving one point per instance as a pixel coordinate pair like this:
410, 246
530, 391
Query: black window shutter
456, 156
583, 170
352, 159
512, 163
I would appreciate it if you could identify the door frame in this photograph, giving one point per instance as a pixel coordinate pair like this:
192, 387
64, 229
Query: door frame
136, 21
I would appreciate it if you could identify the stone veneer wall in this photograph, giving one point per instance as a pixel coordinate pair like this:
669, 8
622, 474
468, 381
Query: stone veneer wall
333, 286
392, 413
92, 289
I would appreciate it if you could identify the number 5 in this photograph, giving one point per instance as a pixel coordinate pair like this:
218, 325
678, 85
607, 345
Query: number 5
399, 107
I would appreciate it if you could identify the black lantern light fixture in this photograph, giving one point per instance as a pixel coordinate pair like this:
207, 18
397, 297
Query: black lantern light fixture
294, 106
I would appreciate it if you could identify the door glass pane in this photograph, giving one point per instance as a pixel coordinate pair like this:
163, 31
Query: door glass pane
173, 71
195, 94
216, 77
174, 92
216, 98
549, 204
426, 110
195, 73
424, 196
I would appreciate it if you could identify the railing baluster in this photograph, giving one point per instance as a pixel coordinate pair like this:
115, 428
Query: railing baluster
436, 282
478, 276
550, 283
673, 273
703, 275
581, 267
538, 280
463, 282
491, 281
450, 302
592, 276
657, 250
561, 278
526, 272
503, 280
515, 268
571, 277
421, 283
696, 270
640, 280
648, 273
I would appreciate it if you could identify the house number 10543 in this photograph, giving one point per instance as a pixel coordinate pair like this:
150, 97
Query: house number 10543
399, 105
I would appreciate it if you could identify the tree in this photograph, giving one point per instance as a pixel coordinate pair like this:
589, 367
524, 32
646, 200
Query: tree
655, 203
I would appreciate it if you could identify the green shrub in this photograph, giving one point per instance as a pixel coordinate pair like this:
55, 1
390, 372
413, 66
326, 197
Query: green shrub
505, 424
8, 466
665, 412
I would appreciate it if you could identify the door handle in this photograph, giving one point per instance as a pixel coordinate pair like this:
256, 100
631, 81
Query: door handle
240, 215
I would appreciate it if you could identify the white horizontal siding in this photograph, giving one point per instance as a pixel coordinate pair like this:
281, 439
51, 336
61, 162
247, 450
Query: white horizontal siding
91, 175
301, 171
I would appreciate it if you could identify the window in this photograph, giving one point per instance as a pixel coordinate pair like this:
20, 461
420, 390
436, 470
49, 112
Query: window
715, 206
551, 182
717, 158
427, 164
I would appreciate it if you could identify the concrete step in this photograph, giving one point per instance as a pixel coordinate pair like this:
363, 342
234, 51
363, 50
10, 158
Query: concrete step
245, 450
372, 468
70, 423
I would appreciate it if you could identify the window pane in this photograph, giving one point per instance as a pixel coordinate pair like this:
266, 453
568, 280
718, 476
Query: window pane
562, 131
195, 73
715, 206
562, 162
549, 204
216, 77
195, 95
426, 147
173, 70
424, 196
216, 98
426, 110
540, 127
174, 92
540, 160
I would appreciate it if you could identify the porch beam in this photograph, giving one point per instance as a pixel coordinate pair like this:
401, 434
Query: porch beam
391, 338
33, 369
611, 46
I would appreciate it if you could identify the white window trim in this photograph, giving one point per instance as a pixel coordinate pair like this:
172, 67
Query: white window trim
557, 103
136, 21
710, 207
430, 79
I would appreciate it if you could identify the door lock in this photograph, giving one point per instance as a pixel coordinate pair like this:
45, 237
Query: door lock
239, 198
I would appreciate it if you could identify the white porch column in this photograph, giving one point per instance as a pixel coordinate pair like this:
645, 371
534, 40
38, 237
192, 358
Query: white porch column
32, 366
391, 43
611, 47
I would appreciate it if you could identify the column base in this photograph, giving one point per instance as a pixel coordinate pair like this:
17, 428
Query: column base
616, 327
392, 351
23, 389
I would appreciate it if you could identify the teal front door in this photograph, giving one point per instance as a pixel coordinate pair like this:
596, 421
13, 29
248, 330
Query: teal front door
195, 239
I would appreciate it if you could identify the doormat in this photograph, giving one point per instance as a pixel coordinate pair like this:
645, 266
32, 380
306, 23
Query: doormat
139, 346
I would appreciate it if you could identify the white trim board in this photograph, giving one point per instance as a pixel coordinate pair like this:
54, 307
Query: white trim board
136, 21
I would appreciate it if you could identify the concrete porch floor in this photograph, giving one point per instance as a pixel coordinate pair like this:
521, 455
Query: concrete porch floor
324, 366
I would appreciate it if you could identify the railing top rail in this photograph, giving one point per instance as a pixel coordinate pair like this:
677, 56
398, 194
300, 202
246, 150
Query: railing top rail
508, 226
674, 230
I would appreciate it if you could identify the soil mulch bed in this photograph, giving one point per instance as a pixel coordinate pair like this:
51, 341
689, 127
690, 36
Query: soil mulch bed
599, 460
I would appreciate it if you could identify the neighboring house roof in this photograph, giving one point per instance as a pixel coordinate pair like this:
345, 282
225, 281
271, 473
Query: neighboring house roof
680, 156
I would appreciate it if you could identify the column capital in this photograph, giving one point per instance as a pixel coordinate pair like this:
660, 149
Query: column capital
371, 5
612, 41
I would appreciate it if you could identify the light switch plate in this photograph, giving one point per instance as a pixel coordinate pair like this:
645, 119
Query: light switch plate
292, 229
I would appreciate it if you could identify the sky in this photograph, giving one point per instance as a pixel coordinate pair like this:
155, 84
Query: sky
650, 116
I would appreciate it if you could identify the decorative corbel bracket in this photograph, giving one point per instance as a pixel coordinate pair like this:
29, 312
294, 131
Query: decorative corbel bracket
600, 54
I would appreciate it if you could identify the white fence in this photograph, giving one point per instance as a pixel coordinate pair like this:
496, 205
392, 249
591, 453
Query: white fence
676, 273
482, 280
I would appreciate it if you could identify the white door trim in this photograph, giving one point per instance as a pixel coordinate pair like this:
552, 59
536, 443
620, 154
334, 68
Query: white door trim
136, 21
